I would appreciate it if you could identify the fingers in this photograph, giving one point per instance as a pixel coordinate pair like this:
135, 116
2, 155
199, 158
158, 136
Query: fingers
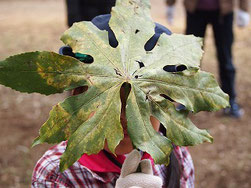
129, 178
131, 163
139, 180
146, 167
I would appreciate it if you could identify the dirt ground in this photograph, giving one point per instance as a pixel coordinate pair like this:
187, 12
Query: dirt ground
28, 25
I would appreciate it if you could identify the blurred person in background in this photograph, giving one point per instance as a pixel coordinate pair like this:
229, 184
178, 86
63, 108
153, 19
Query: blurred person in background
220, 14
86, 10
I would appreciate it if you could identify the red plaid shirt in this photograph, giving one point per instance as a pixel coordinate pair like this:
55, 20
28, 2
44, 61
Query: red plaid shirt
46, 172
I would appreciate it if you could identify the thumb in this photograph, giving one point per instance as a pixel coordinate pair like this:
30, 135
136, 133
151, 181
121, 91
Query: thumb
146, 166
131, 163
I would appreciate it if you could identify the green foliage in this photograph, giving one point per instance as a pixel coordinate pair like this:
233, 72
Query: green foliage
42, 72
153, 89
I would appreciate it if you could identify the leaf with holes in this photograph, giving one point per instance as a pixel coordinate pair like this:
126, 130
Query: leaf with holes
159, 79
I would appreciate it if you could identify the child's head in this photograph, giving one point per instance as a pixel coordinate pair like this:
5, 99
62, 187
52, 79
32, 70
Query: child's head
125, 146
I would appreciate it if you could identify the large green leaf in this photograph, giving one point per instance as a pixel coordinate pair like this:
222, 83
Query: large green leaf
41, 72
140, 129
155, 90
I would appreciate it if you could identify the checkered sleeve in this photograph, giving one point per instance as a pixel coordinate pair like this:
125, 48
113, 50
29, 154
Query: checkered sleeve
46, 172
186, 166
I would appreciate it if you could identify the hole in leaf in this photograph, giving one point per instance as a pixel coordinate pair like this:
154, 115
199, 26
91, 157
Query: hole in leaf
66, 50
174, 68
101, 22
155, 123
117, 72
181, 68
84, 58
167, 97
137, 31
159, 29
124, 93
141, 64
148, 95
137, 76
112, 39
162, 129
79, 90
150, 43
125, 89
146, 98
178, 106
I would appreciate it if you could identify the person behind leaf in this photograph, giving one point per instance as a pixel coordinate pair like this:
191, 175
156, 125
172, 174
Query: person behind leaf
104, 169
86, 10
219, 14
